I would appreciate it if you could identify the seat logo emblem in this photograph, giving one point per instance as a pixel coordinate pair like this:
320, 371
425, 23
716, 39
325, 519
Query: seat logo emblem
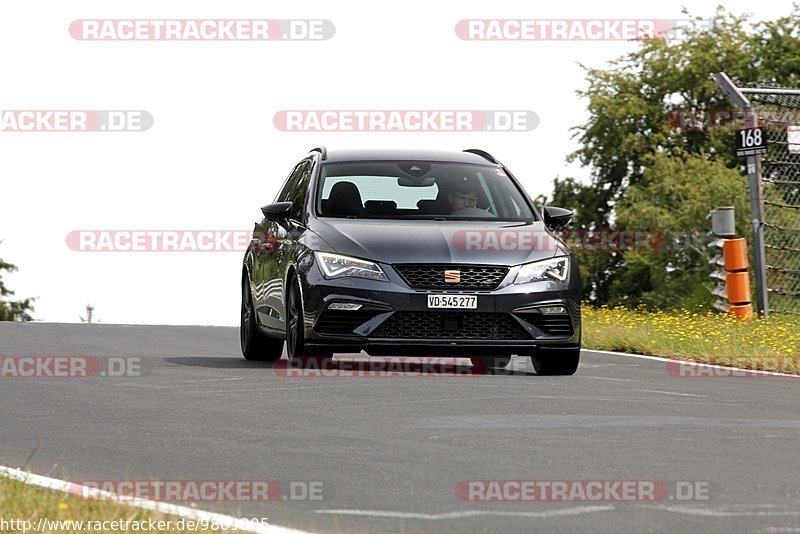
452, 277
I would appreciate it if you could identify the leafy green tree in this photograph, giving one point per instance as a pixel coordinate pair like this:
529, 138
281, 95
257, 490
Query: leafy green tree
11, 310
597, 269
675, 196
633, 106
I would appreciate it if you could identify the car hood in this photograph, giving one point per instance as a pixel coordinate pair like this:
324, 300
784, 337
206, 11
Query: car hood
417, 241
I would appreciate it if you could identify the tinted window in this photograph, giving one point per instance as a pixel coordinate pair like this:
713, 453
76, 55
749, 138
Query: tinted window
291, 182
298, 194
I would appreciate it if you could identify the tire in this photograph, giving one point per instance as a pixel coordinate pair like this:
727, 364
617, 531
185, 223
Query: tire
296, 347
483, 363
556, 362
256, 346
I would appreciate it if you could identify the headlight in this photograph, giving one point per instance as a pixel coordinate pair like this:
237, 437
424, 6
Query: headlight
336, 266
556, 269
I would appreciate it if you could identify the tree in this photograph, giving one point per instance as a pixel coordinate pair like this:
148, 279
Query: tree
632, 106
675, 195
12, 310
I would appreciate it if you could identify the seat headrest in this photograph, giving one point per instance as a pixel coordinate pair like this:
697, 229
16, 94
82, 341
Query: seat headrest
344, 199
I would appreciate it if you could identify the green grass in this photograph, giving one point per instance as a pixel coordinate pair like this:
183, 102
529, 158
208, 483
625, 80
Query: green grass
20, 501
771, 345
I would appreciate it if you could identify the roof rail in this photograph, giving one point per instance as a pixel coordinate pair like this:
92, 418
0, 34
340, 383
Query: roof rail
482, 153
322, 151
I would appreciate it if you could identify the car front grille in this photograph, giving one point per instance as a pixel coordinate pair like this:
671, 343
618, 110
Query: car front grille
551, 325
437, 325
431, 276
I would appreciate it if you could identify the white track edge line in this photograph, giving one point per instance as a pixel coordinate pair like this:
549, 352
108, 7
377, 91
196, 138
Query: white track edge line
464, 514
145, 504
687, 362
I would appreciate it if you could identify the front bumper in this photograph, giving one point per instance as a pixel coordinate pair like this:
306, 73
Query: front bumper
395, 319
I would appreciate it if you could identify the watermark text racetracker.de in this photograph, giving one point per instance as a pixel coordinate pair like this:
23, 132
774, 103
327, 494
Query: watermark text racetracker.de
202, 29
774, 367
204, 490
697, 120
634, 491
511, 239
579, 29
44, 524
56, 366
53, 120
588, 241
166, 240
406, 120
376, 367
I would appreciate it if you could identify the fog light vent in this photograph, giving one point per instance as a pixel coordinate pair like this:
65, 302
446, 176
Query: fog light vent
345, 306
553, 310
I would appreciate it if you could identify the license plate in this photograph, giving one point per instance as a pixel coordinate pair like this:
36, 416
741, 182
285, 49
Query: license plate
453, 302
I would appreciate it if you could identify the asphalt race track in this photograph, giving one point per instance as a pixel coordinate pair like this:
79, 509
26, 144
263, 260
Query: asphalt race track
388, 452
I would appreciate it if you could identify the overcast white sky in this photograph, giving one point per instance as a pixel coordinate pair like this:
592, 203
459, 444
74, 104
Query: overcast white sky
213, 156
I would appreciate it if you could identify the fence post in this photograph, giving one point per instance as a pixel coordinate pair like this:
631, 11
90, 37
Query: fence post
756, 195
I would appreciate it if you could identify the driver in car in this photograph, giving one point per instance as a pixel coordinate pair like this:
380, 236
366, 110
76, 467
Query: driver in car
464, 196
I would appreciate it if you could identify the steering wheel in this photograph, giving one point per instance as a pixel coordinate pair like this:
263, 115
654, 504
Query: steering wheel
473, 212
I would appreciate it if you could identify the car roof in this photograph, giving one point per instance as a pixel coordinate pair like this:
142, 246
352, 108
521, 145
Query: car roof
450, 156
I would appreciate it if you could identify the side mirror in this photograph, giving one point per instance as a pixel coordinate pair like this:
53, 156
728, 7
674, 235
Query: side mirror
279, 211
556, 217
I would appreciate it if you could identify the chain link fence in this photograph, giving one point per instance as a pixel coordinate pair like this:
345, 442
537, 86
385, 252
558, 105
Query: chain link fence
779, 115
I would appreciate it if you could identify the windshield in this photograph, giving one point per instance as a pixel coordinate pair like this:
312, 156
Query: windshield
419, 190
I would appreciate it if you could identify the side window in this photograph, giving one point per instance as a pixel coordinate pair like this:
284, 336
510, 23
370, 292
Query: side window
298, 194
291, 181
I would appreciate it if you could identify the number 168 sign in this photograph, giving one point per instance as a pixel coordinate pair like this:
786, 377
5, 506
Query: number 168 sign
751, 141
